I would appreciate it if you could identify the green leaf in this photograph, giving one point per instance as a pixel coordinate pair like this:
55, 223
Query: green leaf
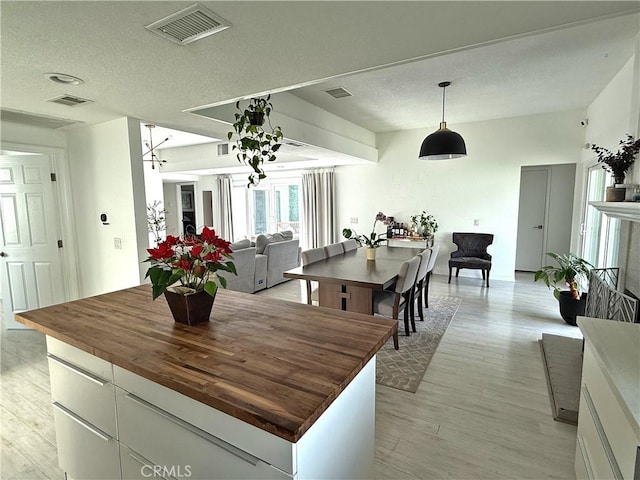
223, 281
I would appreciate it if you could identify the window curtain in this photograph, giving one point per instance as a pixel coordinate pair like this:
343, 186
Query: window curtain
318, 208
224, 224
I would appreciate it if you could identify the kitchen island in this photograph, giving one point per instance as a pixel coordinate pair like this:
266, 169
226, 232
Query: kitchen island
266, 389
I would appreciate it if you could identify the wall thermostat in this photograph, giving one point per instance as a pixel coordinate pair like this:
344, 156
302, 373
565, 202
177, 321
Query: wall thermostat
103, 219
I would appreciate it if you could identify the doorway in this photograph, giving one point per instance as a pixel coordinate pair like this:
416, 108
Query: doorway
187, 208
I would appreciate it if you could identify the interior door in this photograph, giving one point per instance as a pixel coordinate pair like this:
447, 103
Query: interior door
30, 264
531, 219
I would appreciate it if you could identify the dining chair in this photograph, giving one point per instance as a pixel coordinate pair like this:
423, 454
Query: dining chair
419, 283
334, 249
432, 262
311, 256
390, 303
349, 245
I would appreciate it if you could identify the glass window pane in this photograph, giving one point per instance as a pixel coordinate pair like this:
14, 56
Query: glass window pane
260, 212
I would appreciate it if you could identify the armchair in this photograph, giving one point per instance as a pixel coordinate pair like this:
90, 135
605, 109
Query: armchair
471, 253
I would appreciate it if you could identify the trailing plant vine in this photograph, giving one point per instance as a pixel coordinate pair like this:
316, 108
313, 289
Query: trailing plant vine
255, 143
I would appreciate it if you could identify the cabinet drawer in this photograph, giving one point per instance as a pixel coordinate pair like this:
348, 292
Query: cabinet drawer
170, 442
84, 393
84, 451
136, 467
89, 363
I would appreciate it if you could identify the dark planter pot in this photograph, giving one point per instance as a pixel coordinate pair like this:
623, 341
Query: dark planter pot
256, 118
570, 308
615, 194
190, 309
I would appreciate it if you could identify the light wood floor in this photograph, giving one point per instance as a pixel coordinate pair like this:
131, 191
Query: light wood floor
481, 412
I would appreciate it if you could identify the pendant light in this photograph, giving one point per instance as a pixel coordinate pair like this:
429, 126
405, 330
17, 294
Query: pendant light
443, 143
154, 158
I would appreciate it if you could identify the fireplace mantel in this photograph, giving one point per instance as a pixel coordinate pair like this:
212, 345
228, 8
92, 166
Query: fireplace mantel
629, 211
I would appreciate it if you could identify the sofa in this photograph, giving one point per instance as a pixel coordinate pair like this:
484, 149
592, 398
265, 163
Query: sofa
261, 264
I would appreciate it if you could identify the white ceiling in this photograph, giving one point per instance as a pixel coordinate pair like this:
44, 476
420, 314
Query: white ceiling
503, 58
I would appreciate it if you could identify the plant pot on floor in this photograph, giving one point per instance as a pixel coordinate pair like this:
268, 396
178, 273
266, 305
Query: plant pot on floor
570, 308
191, 308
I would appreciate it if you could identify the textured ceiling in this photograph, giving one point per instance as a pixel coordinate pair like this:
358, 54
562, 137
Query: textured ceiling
276, 46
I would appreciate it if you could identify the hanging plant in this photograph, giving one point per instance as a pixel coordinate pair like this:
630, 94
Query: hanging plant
255, 144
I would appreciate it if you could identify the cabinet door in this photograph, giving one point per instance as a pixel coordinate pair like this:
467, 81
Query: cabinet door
136, 467
84, 451
172, 443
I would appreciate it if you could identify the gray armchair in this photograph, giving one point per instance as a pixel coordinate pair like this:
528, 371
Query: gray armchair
471, 253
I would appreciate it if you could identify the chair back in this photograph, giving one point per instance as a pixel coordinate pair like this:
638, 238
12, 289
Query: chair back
334, 249
432, 259
313, 255
472, 245
407, 274
424, 263
349, 245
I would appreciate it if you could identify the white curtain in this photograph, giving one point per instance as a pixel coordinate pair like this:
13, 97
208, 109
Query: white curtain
318, 208
224, 224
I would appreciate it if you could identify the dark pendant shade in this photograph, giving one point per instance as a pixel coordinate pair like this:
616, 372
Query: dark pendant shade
442, 144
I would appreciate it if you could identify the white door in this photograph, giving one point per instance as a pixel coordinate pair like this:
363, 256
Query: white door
531, 219
30, 264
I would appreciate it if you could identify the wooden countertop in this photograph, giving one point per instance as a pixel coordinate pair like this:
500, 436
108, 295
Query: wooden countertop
617, 348
274, 364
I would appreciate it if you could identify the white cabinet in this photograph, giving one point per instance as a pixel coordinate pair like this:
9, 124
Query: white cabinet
608, 431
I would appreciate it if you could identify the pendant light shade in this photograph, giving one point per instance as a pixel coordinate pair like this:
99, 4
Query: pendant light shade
443, 143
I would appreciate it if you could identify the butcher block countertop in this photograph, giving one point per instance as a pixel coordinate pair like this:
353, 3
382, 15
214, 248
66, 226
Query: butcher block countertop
274, 364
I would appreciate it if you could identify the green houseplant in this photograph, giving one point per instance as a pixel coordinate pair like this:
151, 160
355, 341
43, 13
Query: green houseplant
256, 142
425, 224
572, 271
619, 162
373, 240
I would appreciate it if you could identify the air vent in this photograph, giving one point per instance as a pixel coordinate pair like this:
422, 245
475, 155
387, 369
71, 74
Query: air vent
293, 144
69, 100
223, 149
188, 25
339, 92
24, 118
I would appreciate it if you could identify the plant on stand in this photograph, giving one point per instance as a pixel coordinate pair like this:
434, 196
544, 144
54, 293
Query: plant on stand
618, 163
194, 262
255, 144
572, 271
373, 240
156, 220
424, 224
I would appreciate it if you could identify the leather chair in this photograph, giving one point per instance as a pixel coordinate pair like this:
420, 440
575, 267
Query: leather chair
471, 253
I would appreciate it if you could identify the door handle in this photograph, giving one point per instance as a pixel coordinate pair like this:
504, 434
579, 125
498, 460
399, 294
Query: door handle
538, 227
3, 254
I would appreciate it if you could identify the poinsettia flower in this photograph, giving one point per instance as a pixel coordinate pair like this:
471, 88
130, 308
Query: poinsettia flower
171, 240
196, 250
208, 235
163, 251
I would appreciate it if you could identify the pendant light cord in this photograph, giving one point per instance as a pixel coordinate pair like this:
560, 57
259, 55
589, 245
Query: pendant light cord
443, 90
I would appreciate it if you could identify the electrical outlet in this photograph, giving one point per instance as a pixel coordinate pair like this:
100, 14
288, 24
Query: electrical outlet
354, 220
117, 243
476, 222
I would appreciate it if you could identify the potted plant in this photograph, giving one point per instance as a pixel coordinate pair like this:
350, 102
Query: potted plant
373, 240
574, 272
255, 143
617, 164
194, 262
156, 220
424, 224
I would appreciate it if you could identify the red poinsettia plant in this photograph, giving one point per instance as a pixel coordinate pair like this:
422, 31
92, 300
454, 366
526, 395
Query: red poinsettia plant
194, 261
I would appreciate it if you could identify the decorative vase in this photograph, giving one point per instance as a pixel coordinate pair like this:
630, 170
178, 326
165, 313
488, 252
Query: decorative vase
190, 308
371, 253
615, 194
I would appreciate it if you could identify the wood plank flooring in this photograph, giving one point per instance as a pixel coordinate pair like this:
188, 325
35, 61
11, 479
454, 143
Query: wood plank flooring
481, 412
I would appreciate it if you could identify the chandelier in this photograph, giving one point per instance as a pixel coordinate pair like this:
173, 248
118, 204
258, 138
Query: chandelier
154, 158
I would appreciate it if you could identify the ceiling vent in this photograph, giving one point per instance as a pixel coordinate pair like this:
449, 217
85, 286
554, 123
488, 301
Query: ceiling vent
188, 25
69, 100
13, 116
339, 92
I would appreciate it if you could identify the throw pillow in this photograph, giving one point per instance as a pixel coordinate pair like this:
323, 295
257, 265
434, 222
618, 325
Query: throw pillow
276, 237
287, 234
240, 244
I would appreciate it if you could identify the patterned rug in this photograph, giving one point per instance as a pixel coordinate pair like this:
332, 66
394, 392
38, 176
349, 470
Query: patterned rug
403, 369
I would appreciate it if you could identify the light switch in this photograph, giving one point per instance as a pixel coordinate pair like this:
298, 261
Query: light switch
476, 222
354, 220
117, 243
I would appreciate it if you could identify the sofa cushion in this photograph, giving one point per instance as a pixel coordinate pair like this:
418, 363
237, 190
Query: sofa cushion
240, 244
287, 234
261, 242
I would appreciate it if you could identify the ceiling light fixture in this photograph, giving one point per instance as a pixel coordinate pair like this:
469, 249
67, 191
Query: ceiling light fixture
154, 158
63, 78
443, 143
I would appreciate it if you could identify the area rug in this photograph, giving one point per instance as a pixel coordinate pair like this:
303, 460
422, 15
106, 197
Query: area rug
562, 360
403, 369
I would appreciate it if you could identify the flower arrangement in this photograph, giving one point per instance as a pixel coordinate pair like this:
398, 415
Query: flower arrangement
619, 162
193, 261
427, 223
374, 239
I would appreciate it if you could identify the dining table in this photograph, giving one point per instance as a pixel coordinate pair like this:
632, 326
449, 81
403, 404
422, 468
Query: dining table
347, 281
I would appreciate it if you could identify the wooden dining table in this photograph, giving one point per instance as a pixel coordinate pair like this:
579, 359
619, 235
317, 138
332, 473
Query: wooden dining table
347, 281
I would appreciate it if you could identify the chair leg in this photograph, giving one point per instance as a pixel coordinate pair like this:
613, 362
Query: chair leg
396, 343
488, 278
457, 271
426, 290
420, 291
308, 292
449, 275
483, 273
412, 299
406, 320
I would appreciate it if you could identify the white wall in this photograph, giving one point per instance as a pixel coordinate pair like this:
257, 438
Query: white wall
106, 177
484, 185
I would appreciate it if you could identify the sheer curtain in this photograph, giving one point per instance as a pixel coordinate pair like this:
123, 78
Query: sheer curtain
224, 223
318, 208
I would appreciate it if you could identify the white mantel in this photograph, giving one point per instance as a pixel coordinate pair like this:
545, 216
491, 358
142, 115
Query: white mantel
629, 211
